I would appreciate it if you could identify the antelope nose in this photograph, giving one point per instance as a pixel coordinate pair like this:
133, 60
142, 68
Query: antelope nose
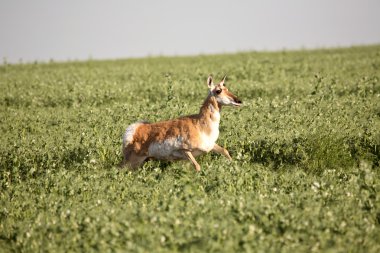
238, 101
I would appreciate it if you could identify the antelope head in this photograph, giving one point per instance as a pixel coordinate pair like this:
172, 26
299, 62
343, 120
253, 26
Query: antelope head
222, 95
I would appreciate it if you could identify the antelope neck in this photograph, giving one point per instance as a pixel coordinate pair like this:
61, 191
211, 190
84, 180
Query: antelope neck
211, 109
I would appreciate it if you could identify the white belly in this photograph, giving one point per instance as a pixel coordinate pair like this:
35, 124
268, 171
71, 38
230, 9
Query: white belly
170, 149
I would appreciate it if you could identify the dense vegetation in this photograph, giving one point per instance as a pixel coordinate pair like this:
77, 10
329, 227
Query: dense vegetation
305, 175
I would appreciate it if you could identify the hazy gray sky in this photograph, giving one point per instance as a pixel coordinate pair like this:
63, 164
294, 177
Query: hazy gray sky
80, 29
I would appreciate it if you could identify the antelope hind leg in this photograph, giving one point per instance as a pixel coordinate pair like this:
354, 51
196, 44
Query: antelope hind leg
131, 159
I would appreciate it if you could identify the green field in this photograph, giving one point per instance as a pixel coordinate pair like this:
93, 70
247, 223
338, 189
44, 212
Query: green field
305, 175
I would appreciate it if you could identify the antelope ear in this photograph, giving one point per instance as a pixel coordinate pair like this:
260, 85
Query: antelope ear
210, 83
223, 80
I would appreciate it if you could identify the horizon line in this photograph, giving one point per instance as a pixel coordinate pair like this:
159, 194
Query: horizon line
90, 58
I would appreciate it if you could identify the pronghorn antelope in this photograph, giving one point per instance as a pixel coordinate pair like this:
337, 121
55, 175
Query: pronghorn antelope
183, 138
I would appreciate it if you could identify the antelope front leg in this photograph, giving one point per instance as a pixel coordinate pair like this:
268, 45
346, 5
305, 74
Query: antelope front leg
190, 156
222, 151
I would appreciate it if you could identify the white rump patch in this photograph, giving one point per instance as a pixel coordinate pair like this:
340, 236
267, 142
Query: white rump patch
128, 135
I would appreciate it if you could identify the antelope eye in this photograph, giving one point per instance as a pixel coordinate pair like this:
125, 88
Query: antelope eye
218, 91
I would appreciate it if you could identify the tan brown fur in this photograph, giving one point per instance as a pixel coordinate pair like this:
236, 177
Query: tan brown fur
190, 128
187, 126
